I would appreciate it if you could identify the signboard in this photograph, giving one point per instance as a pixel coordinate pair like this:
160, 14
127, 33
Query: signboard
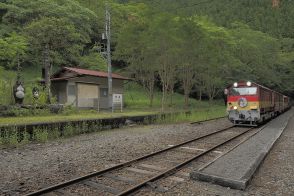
117, 101
117, 98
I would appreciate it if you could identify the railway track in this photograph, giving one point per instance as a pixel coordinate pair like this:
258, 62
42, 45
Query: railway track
201, 121
131, 176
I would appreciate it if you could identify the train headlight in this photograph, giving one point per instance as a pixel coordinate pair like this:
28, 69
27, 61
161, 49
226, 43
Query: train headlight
248, 83
235, 107
235, 84
242, 102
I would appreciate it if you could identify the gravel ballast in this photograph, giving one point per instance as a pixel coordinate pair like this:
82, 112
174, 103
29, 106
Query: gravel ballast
35, 166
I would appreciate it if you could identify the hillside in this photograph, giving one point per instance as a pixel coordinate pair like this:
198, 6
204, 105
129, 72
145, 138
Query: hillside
259, 15
192, 47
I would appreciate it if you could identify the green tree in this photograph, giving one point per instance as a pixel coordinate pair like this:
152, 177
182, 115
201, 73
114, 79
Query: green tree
216, 56
93, 60
135, 47
164, 42
12, 49
189, 55
17, 14
49, 36
258, 54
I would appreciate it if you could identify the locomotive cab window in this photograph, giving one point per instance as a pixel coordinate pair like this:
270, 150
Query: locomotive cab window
243, 91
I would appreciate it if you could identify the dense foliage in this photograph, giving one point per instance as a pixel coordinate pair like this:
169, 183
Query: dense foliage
259, 16
194, 47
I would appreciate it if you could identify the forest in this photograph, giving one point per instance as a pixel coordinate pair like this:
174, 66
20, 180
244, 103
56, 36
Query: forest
193, 47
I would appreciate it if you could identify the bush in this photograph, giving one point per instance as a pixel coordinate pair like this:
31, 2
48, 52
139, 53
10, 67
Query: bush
68, 110
6, 94
16, 111
40, 135
42, 99
10, 137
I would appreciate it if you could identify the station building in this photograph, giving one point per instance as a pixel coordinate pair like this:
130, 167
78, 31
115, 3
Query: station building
85, 89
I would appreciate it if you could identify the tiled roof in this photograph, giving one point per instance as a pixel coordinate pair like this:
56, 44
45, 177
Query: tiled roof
93, 73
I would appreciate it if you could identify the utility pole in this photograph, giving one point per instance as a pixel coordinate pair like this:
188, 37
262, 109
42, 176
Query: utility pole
108, 37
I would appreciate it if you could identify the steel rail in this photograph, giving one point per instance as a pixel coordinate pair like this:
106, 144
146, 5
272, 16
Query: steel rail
201, 121
119, 166
175, 168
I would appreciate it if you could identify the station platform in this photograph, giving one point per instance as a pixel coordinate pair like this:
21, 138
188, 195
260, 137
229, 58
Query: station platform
235, 168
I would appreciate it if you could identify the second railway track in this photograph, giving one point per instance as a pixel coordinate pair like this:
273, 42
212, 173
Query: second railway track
131, 176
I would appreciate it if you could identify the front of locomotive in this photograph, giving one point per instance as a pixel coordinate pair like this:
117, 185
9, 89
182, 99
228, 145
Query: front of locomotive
243, 104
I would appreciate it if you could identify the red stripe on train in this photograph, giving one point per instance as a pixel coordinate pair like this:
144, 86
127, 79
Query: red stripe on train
236, 98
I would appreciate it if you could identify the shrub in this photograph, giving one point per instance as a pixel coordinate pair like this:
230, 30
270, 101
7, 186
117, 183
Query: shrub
54, 133
40, 134
6, 94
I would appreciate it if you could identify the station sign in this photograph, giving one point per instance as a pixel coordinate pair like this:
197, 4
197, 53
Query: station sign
117, 98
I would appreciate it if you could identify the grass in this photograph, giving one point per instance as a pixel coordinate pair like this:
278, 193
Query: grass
12, 137
194, 116
136, 103
135, 98
202, 113
63, 117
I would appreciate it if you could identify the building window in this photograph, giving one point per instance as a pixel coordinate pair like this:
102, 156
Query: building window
71, 90
103, 92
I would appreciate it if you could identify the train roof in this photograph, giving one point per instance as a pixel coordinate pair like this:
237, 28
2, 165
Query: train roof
242, 82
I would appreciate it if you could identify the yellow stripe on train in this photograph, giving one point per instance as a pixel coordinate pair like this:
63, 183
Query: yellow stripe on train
250, 105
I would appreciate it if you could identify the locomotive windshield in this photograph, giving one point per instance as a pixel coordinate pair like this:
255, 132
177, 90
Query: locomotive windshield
243, 91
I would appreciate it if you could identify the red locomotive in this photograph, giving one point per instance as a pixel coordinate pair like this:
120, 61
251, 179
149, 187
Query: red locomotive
249, 103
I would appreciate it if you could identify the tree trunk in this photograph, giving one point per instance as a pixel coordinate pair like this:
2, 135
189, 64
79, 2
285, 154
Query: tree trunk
211, 93
151, 93
151, 83
163, 98
187, 83
163, 76
151, 99
186, 100
47, 69
171, 93
200, 94
210, 98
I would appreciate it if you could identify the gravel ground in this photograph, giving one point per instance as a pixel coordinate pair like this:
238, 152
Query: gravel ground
36, 166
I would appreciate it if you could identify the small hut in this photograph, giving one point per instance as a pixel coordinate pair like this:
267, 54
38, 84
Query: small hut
85, 88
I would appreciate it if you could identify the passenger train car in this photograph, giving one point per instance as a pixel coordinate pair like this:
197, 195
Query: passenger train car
249, 103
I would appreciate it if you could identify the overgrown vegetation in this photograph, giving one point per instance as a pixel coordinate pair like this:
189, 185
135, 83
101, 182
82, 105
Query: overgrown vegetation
14, 137
136, 99
194, 116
